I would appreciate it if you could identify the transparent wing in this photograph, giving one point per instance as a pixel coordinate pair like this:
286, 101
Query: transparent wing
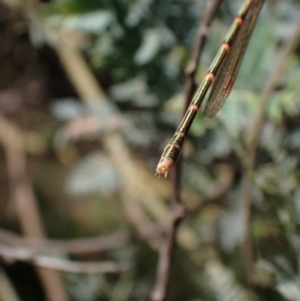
227, 74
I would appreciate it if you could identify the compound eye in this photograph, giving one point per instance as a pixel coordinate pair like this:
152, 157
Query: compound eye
163, 167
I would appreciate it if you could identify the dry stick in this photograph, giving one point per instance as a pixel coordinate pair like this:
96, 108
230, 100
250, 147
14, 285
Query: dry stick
166, 254
160, 290
25, 202
252, 140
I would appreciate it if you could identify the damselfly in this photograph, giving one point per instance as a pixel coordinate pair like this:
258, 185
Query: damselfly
222, 73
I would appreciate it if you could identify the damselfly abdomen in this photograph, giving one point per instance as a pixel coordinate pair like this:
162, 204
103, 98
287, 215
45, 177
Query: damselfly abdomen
222, 74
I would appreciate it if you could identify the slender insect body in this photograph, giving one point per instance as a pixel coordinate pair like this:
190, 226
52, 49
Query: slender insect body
221, 74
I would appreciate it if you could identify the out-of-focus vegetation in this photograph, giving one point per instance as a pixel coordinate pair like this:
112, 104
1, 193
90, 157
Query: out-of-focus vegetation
87, 185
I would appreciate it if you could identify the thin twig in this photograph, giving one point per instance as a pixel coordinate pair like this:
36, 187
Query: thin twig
83, 246
167, 250
12, 254
252, 141
116, 240
160, 290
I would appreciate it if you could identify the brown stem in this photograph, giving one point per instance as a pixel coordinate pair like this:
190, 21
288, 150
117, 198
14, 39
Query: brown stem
166, 254
160, 290
252, 141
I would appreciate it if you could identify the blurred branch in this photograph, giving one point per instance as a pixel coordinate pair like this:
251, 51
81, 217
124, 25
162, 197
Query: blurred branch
135, 215
166, 255
253, 133
143, 188
133, 173
73, 247
25, 202
83, 245
160, 290
78, 71
225, 176
222, 184
15, 4
252, 140
11, 254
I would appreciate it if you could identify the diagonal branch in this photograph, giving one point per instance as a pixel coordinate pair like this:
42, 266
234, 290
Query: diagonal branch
252, 140
12, 254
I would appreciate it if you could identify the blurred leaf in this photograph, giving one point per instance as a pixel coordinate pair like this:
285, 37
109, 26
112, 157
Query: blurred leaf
67, 109
232, 225
135, 91
92, 175
87, 287
138, 129
223, 284
127, 90
219, 145
94, 22
153, 41
289, 289
137, 11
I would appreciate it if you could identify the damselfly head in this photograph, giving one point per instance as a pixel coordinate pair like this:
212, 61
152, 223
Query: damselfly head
164, 167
